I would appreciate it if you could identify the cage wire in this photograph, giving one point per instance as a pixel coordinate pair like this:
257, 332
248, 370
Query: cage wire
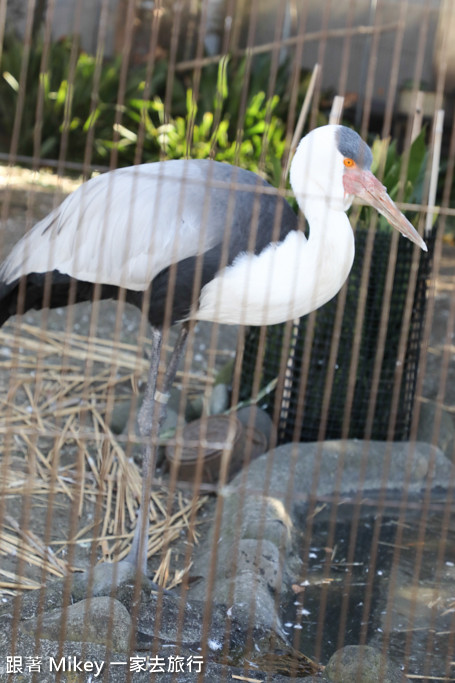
301, 516
361, 420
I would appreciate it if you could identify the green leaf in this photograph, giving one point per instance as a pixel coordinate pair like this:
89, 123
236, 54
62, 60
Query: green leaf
417, 165
12, 82
62, 93
91, 120
125, 132
74, 123
379, 149
222, 89
45, 83
191, 105
49, 146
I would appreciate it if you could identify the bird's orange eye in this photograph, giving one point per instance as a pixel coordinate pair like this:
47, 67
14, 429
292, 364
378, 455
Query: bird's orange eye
349, 163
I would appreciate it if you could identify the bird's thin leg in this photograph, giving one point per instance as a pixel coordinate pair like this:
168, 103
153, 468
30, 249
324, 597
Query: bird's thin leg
138, 551
148, 420
172, 366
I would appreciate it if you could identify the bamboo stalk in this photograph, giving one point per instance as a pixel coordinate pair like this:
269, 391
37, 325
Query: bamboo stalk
302, 117
437, 142
336, 110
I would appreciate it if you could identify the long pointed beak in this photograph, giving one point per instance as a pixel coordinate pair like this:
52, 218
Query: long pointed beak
368, 188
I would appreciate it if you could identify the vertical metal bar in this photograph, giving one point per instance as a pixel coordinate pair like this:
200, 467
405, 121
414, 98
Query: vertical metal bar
366, 63
95, 94
27, 43
418, 116
394, 71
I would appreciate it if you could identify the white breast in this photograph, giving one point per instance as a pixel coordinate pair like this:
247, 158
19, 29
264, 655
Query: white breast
286, 281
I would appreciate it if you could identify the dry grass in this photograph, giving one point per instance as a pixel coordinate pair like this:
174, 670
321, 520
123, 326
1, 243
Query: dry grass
55, 411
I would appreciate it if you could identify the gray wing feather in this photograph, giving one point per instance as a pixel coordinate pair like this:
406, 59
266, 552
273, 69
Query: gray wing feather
124, 227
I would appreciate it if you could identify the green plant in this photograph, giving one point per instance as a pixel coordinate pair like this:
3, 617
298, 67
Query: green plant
205, 115
67, 107
206, 134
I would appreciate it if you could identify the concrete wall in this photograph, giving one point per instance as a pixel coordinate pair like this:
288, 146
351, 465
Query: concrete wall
362, 51
71, 17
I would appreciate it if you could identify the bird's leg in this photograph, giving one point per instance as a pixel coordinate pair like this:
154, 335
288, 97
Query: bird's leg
172, 366
150, 418
103, 578
138, 551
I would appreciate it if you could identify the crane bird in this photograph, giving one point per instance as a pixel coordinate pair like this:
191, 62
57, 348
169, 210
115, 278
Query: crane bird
193, 240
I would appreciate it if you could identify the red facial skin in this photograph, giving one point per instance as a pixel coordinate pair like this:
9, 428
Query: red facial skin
363, 184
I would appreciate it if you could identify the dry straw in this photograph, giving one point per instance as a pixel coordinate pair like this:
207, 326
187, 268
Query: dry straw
57, 416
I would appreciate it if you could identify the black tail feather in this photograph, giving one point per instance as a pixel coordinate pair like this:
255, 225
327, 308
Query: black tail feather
48, 290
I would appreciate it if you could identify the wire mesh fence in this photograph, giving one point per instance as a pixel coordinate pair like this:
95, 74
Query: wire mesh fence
370, 411
300, 512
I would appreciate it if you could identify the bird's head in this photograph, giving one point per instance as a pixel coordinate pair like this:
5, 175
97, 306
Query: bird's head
332, 166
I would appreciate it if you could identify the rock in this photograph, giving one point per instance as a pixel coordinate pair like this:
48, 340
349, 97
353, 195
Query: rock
263, 526
226, 373
249, 568
250, 601
34, 602
102, 579
194, 409
98, 620
175, 398
261, 519
362, 664
120, 415
256, 536
261, 557
276, 530
170, 421
219, 399
254, 417
106, 578
343, 467
446, 433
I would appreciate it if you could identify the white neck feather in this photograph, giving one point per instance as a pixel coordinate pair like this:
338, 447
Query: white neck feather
329, 256
287, 280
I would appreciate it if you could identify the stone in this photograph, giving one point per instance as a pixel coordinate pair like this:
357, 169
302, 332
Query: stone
363, 664
120, 415
249, 560
250, 601
264, 524
297, 470
96, 620
445, 434
263, 558
226, 373
254, 417
219, 399
103, 579
32, 602
194, 409
262, 508
169, 423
